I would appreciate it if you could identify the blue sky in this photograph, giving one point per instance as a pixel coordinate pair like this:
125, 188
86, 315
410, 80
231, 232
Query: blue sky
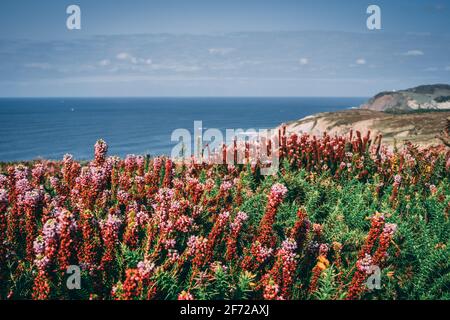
221, 48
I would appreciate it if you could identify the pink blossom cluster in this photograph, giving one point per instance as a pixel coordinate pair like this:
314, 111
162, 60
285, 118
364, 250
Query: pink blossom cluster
389, 229
3, 196
365, 264
277, 193
3, 181
100, 151
197, 247
111, 225
145, 268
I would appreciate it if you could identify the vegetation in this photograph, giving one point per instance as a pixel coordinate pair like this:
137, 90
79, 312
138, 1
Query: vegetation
140, 228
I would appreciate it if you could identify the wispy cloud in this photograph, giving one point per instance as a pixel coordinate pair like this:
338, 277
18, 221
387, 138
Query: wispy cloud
221, 51
304, 61
414, 53
39, 65
361, 61
104, 63
125, 56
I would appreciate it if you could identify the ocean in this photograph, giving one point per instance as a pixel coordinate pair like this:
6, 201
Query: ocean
48, 128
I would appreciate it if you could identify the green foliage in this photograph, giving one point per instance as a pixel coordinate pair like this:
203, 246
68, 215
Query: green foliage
244, 286
328, 286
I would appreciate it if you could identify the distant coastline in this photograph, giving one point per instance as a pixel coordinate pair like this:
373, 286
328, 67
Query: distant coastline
419, 115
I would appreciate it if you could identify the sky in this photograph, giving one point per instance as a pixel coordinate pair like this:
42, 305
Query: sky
221, 48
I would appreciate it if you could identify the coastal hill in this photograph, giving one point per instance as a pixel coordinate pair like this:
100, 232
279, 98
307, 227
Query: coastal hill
428, 97
420, 115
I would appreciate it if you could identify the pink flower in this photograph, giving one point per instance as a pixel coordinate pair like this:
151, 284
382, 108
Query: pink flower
32, 198
173, 255
142, 218
365, 264
185, 296
289, 245
50, 230
67, 159
271, 291
183, 223
389, 229
21, 172
122, 196
3, 181
100, 151
130, 162
323, 249
278, 190
140, 160
169, 243
145, 268
112, 221
3, 196
38, 171
238, 220
23, 185
226, 186
39, 245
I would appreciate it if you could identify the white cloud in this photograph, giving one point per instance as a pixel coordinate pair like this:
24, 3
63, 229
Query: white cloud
104, 62
304, 61
124, 56
221, 51
414, 53
361, 61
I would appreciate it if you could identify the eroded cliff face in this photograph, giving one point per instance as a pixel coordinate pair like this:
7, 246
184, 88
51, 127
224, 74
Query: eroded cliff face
428, 97
423, 129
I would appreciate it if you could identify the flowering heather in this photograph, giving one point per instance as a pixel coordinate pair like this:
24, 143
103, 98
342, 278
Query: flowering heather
3, 197
364, 265
235, 229
339, 208
145, 268
277, 193
101, 149
282, 274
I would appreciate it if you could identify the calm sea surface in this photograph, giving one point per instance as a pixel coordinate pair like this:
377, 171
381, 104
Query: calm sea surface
49, 128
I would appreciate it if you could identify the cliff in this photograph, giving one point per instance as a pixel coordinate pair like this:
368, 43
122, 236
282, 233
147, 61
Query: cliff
427, 97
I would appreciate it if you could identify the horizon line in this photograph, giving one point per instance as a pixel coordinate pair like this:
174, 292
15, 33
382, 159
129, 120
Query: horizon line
169, 97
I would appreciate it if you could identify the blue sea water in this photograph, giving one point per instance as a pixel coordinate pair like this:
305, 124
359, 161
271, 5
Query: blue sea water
50, 127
